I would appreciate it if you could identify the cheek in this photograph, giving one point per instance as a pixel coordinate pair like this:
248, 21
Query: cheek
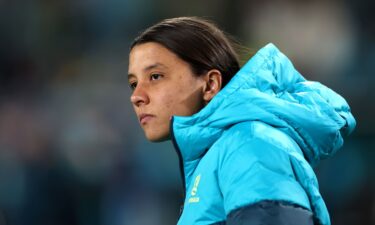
182, 103
170, 102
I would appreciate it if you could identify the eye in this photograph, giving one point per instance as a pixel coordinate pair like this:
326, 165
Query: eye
155, 76
132, 85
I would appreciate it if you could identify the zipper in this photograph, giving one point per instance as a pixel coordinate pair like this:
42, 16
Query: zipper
181, 164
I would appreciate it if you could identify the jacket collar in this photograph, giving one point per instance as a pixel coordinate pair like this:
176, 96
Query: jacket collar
269, 89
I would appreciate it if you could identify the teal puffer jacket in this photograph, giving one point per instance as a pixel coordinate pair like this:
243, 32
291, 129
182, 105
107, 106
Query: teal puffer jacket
257, 140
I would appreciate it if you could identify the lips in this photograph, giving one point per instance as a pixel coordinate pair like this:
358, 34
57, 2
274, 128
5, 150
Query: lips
144, 118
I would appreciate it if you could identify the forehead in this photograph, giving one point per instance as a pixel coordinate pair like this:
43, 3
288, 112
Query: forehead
152, 53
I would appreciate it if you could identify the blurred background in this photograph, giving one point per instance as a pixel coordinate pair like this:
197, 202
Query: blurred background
71, 149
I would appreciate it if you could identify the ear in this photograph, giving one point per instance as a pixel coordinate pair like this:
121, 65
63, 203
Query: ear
213, 79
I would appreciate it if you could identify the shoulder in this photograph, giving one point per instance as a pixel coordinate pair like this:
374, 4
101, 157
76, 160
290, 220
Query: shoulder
251, 144
255, 165
256, 138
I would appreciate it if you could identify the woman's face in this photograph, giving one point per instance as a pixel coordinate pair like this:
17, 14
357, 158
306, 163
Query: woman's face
163, 85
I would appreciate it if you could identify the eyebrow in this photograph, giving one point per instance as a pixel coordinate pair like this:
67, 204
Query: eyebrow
150, 67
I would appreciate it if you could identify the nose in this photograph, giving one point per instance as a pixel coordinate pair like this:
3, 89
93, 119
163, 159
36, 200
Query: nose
139, 97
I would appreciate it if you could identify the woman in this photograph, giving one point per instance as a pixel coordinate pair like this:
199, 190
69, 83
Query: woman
246, 138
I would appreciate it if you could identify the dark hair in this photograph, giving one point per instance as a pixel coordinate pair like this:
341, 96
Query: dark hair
198, 42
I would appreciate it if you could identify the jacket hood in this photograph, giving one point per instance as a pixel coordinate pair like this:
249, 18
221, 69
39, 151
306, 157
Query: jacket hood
269, 89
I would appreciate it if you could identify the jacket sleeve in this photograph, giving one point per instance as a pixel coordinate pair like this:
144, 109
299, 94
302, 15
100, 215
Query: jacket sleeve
259, 187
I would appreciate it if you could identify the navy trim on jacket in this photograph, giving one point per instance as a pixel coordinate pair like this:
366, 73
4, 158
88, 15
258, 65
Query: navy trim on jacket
269, 213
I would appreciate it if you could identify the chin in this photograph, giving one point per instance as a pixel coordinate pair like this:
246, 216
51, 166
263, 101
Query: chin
157, 137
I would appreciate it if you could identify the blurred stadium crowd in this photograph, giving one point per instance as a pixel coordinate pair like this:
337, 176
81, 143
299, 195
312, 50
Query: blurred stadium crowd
71, 150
